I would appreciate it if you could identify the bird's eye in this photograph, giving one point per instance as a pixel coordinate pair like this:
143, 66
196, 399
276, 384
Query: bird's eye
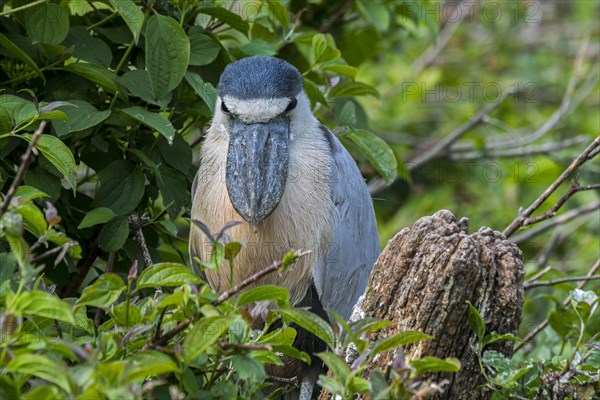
224, 108
292, 105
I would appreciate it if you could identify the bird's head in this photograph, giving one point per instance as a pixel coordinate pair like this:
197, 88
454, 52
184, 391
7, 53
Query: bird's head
260, 98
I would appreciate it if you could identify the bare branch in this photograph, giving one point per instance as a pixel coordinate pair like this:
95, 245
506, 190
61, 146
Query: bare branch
559, 281
523, 216
537, 276
427, 58
60, 249
442, 145
248, 281
244, 346
25, 160
136, 223
540, 327
560, 220
546, 148
161, 340
552, 212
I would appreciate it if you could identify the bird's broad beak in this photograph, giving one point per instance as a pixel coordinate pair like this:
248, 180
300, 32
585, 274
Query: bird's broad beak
257, 162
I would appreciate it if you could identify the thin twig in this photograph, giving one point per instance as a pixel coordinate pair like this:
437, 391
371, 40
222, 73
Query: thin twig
161, 340
442, 40
546, 148
248, 281
51, 252
136, 223
575, 187
25, 160
83, 266
560, 220
540, 327
21, 8
442, 145
244, 346
558, 281
523, 216
537, 276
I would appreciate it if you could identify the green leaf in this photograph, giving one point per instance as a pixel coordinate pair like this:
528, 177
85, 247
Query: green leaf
291, 351
94, 73
319, 44
167, 54
102, 293
283, 336
19, 249
377, 151
347, 115
167, 274
53, 115
121, 187
87, 47
203, 48
248, 369
29, 193
314, 93
311, 322
33, 219
131, 14
81, 115
376, 13
341, 69
173, 187
58, 154
48, 23
43, 304
262, 293
258, 47
266, 357
40, 367
495, 337
434, 364
43, 392
113, 235
204, 334
177, 154
20, 54
350, 88
230, 18
152, 120
96, 216
399, 339
335, 364
280, 12
476, 322
137, 83
205, 90
19, 110
120, 315
148, 363
5, 121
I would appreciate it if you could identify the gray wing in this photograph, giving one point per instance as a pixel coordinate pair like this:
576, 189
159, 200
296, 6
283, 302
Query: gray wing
342, 274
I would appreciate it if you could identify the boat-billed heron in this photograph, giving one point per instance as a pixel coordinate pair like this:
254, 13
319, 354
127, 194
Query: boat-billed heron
268, 162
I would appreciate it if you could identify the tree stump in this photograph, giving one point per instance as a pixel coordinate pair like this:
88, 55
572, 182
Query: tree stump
423, 280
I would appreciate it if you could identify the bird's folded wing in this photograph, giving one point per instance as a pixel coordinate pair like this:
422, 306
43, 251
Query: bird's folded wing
341, 275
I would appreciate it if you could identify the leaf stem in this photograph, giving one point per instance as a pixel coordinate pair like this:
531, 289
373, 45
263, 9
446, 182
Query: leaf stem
22, 168
17, 9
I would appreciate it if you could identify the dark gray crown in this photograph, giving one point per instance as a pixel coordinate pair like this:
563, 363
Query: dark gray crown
259, 78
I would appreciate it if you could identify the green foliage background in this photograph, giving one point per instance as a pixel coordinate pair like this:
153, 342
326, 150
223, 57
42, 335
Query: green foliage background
127, 88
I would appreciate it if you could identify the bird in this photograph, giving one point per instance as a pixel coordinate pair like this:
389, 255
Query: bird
269, 163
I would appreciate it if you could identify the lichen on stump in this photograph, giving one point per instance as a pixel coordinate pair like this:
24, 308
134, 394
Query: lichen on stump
423, 280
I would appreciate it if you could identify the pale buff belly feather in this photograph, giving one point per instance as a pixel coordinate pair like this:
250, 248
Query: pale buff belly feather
301, 221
